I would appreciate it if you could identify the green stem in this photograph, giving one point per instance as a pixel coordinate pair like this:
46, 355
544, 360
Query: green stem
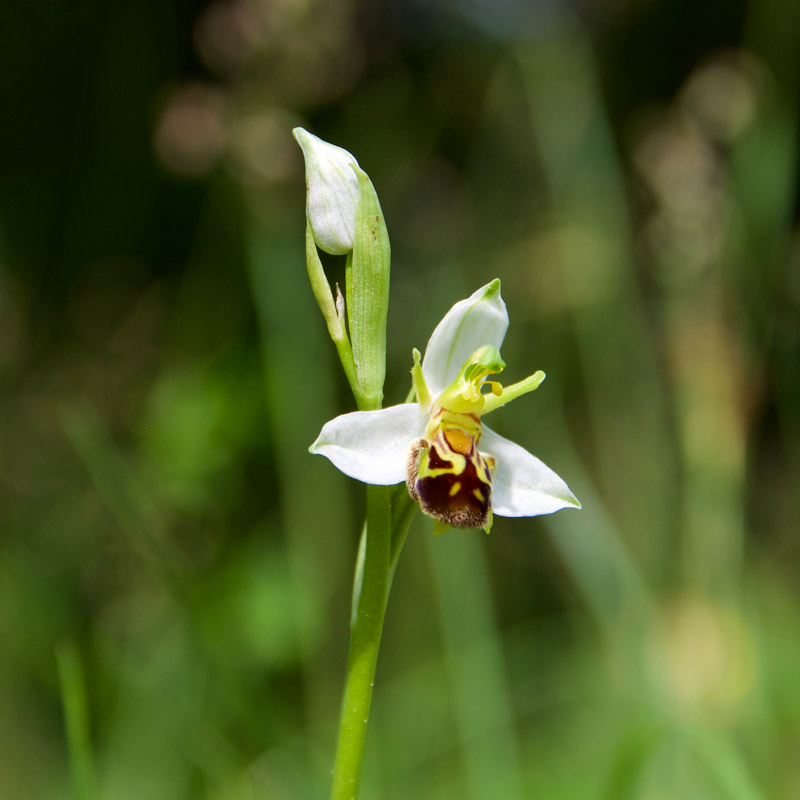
369, 607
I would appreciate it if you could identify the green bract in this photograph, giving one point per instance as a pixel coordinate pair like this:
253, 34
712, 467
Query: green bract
432, 444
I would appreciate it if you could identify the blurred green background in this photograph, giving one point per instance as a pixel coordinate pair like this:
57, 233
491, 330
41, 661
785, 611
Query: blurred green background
173, 563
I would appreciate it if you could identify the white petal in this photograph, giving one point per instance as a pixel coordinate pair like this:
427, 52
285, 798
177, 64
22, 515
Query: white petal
332, 192
523, 486
480, 319
372, 446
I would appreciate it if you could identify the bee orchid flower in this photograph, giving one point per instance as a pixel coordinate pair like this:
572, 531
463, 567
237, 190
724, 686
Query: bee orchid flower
457, 469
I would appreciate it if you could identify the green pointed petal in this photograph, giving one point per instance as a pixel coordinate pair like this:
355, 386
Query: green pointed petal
509, 393
523, 486
479, 320
372, 446
421, 391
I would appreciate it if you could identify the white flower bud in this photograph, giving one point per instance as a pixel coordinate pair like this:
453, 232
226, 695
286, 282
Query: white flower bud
333, 192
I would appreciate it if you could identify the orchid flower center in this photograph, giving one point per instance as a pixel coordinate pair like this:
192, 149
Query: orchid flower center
447, 474
465, 394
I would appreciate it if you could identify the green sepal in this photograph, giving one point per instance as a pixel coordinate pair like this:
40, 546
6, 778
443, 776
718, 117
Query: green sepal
418, 385
367, 291
508, 393
440, 527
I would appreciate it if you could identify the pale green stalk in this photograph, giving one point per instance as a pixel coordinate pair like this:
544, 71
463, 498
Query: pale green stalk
389, 513
371, 592
333, 311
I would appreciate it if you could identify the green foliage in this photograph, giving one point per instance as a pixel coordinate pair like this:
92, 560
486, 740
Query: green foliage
169, 548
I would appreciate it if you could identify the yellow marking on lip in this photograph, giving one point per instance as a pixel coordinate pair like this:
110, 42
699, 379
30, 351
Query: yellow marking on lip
479, 495
455, 489
459, 440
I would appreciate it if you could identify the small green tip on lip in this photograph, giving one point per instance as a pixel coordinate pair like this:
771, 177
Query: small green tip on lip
492, 288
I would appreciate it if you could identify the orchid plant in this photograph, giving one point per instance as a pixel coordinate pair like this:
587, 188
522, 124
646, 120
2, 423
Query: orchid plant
432, 452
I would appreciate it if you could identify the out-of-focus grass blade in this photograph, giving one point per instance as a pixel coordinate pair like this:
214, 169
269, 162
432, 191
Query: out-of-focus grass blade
76, 720
316, 527
588, 223
475, 662
592, 547
724, 763
121, 488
